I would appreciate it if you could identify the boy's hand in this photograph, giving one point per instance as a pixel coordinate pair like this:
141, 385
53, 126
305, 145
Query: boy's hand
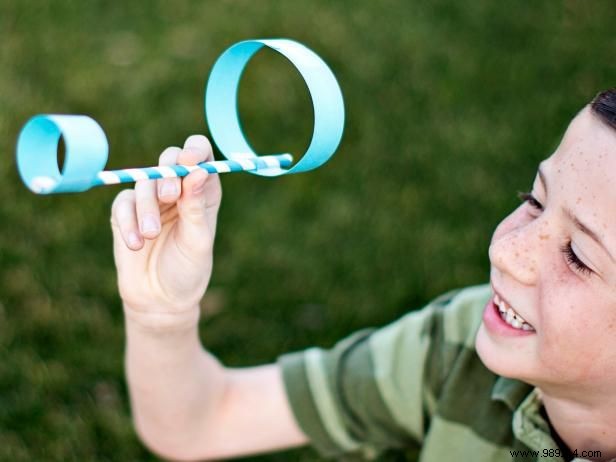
163, 235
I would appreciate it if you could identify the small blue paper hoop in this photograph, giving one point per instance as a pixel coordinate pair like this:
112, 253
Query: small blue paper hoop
87, 147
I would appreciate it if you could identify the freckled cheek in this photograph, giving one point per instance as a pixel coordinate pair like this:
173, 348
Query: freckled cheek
560, 359
568, 338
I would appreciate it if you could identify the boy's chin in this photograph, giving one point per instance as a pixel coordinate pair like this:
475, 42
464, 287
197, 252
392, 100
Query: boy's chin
500, 362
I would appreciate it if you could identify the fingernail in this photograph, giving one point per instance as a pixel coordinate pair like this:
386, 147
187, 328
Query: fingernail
199, 186
168, 188
133, 239
149, 224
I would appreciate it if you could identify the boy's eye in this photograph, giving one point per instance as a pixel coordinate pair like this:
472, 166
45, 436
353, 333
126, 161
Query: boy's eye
572, 259
528, 197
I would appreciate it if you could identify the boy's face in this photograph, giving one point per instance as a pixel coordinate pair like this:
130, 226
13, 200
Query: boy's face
559, 279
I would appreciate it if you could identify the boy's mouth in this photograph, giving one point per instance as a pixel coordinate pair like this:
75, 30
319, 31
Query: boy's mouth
510, 316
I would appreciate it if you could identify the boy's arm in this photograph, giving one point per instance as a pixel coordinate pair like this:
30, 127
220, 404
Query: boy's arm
186, 404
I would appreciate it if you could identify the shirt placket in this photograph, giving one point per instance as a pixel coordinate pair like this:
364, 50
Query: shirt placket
531, 428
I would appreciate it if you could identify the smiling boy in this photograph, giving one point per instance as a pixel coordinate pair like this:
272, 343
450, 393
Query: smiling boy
552, 262
523, 363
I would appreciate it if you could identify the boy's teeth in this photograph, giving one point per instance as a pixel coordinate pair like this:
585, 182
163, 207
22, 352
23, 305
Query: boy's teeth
509, 315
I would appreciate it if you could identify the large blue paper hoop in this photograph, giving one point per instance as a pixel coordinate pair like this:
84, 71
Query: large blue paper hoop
221, 103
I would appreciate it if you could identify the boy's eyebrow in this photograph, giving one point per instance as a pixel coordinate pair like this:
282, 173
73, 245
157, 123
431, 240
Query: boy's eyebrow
581, 226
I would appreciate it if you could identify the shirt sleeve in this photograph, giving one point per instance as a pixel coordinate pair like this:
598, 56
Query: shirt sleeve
376, 389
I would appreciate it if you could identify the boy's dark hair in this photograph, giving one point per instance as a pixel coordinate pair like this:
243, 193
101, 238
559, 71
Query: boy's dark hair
604, 105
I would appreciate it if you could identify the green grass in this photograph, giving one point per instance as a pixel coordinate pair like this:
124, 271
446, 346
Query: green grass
450, 106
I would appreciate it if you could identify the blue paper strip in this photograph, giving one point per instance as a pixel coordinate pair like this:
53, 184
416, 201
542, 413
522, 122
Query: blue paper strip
87, 147
221, 102
37, 153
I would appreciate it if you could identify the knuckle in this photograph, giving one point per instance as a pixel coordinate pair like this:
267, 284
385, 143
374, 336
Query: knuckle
168, 189
199, 144
145, 194
197, 141
124, 196
169, 156
143, 185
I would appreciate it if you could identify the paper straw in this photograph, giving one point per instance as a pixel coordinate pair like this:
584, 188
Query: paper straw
130, 175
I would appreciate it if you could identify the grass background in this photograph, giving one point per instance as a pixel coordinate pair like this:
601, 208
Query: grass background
450, 106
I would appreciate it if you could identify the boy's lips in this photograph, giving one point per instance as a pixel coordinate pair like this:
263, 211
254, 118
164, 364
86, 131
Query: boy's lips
505, 305
499, 317
495, 323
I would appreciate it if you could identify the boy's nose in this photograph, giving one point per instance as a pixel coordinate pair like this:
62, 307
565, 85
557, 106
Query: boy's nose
517, 254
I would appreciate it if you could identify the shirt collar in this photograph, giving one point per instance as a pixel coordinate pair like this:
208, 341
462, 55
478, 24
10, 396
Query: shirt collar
510, 391
528, 425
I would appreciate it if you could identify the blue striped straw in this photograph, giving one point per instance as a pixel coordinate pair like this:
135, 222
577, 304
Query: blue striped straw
43, 184
130, 175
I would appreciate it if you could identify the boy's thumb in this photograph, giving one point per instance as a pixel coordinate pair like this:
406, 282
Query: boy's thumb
192, 208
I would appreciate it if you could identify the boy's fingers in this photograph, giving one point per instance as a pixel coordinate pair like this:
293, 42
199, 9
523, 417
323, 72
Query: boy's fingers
148, 212
169, 189
124, 218
197, 148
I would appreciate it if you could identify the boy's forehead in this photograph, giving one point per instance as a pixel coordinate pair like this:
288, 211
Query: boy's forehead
581, 176
587, 150
588, 134
583, 168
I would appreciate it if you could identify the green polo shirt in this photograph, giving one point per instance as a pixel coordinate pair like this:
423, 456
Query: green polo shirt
417, 385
